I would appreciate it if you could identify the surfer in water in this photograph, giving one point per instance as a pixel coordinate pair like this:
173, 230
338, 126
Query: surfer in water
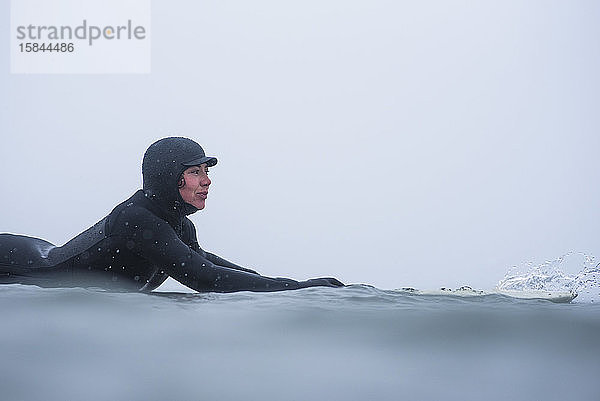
144, 240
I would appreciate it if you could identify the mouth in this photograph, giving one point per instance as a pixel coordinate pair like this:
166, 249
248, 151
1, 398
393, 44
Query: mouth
202, 195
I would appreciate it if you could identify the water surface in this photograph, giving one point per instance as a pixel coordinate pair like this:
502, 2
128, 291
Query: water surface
354, 343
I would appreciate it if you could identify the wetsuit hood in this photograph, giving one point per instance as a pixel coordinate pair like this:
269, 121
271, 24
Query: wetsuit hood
164, 162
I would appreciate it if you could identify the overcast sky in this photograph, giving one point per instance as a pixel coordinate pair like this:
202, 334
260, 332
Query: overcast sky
395, 143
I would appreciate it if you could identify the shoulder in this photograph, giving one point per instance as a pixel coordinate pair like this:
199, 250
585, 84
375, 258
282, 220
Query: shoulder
134, 213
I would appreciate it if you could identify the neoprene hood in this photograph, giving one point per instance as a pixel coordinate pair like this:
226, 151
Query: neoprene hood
164, 162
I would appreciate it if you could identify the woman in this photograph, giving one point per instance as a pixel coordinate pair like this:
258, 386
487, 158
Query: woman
144, 240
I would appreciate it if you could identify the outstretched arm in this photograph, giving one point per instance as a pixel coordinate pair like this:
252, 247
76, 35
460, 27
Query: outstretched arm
192, 269
217, 260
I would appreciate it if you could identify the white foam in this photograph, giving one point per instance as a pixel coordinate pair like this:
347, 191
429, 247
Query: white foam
575, 271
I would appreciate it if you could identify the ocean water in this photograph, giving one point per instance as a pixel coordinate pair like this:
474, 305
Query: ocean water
353, 343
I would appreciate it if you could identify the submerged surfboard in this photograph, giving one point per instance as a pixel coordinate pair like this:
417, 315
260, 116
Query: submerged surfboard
553, 296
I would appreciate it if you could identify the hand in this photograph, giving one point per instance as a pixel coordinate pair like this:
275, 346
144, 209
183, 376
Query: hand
322, 282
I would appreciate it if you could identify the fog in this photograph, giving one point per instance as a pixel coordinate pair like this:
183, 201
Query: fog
424, 144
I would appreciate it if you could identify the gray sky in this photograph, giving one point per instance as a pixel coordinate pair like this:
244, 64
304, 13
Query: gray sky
422, 143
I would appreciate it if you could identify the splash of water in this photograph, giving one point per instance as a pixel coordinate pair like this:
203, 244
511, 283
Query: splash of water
573, 271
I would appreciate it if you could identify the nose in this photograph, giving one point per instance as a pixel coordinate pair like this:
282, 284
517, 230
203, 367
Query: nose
205, 181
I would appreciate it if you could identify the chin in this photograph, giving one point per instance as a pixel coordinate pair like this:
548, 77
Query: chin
199, 205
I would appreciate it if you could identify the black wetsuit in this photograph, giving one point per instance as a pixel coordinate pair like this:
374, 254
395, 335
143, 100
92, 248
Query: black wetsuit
142, 242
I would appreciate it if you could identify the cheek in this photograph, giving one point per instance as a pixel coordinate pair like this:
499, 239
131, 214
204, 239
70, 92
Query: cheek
191, 184
189, 190
185, 192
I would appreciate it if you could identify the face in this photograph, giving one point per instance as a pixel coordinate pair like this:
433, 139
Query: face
193, 186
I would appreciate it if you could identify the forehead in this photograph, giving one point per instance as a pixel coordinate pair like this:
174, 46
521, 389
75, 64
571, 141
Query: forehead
200, 166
